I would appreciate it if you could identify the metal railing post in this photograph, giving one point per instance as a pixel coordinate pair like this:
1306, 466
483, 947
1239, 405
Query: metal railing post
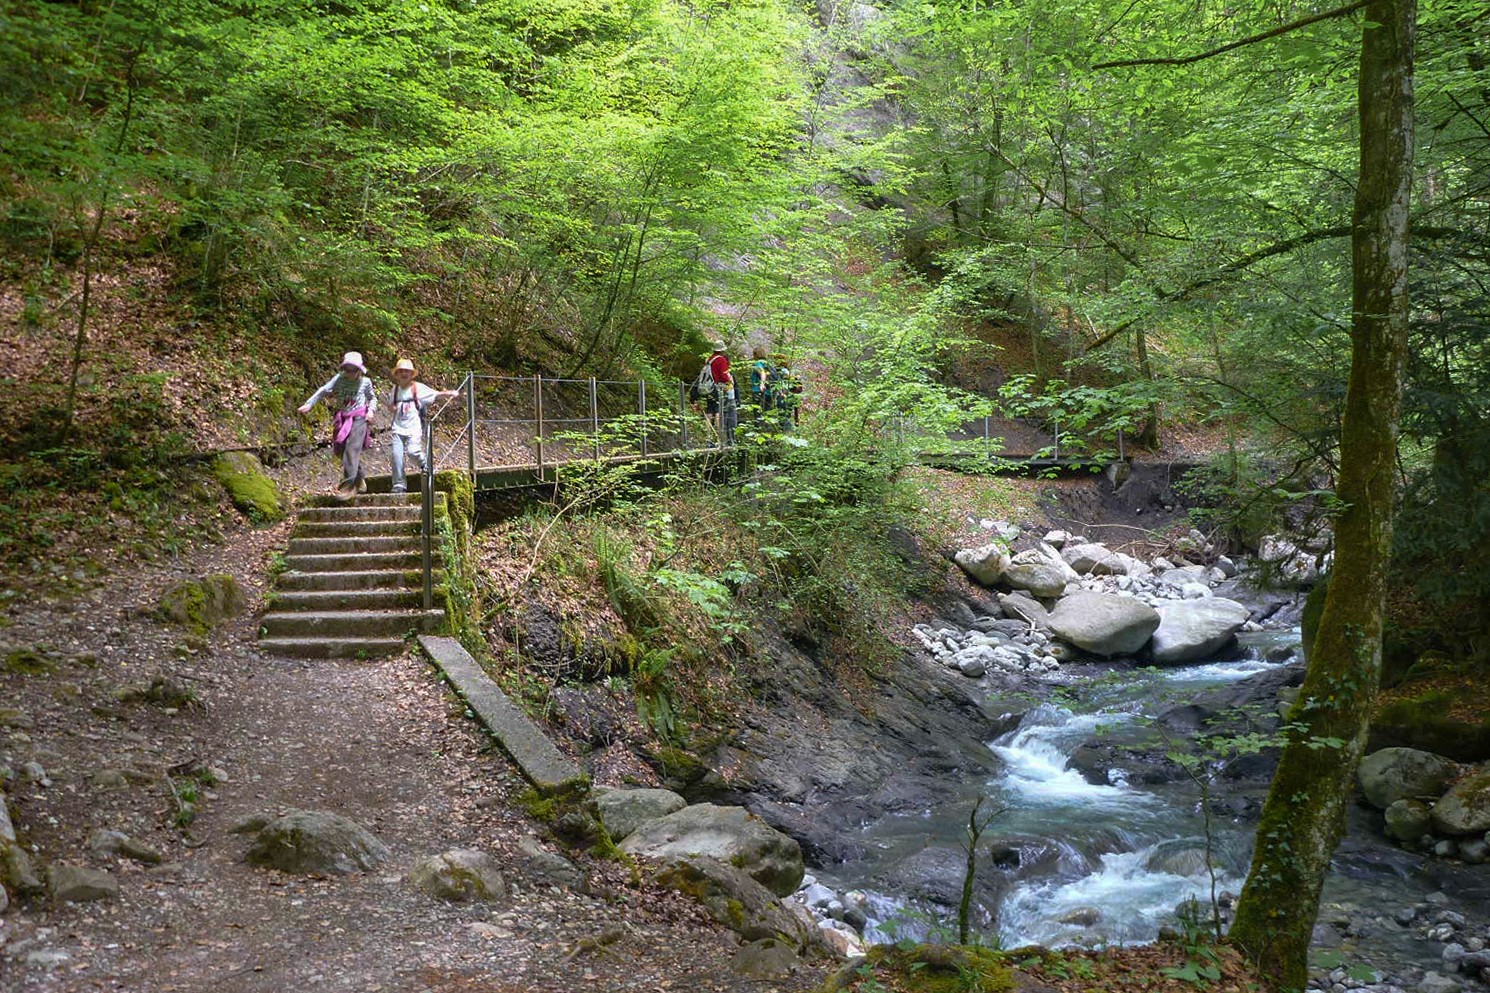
427, 515
471, 424
987, 446
538, 419
682, 416
595, 418
641, 409
1057, 421
1121, 456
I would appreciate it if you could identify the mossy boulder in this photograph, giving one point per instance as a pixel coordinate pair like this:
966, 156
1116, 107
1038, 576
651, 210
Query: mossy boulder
1393, 774
249, 487
1465, 809
315, 842
201, 604
461, 874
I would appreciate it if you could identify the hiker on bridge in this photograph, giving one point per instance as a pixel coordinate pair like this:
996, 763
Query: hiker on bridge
353, 401
716, 388
408, 402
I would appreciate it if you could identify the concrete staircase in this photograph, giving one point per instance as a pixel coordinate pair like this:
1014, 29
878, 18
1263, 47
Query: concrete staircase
353, 587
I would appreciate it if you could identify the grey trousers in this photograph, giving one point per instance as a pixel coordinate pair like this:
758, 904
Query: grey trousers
399, 447
351, 453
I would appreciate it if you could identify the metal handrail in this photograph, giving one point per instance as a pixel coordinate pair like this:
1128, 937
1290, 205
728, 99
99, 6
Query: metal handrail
540, 424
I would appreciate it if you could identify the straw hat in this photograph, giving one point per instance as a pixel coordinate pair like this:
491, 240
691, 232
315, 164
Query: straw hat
353, 359
404, 365
719, 346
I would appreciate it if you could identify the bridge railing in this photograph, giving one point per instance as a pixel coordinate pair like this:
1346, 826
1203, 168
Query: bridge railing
540, 422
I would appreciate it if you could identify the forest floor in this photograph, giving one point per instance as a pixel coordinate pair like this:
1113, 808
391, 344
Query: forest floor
381, 742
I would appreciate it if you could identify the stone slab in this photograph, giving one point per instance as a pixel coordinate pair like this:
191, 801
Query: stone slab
536, 756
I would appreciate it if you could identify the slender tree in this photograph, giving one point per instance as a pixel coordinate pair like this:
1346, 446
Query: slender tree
1304, 815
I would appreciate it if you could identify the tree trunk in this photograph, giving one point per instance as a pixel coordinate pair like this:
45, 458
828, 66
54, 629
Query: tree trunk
1305, 811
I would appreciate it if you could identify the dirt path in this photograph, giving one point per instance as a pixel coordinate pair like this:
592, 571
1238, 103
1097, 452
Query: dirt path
382, 743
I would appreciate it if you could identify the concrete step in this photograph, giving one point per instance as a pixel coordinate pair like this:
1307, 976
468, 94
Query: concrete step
348, 512
349, 623
395, 599
332, 648
370, 500
356, 529
371, 579
359, 561
353, 545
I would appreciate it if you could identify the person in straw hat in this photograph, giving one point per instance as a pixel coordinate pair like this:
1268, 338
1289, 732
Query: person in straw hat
353, 401
408, 402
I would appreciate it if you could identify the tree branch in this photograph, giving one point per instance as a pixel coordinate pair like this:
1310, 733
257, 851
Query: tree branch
1232, 46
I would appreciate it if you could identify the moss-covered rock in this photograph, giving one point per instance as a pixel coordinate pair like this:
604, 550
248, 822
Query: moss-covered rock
249, 487
929, 969
201, 604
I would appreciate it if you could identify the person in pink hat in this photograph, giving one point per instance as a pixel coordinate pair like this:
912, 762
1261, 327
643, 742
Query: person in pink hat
353, 401
407, 402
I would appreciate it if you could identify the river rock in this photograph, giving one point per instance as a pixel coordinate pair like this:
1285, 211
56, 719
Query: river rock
1178, 857
973, 662
1393, 774
1039, 570
76, 884
1082, 917
1408, 819
308, 842
1094, 559
1436, 982
765, 959
623, 811
459, 875
1465, 809
986, 563
731, 834
1192, 629
736, 900
1023, 607
1103, 624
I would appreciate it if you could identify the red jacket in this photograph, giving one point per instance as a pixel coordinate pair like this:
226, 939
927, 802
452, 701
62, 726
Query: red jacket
719, 366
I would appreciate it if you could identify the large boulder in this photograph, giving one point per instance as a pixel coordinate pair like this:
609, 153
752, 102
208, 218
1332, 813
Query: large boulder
250, 488
458, 875
1095, 559
986, 563
1023, 607
735, 900
1192, 629
1040, 570
1103, 624
1393, 774
1465, 809
309, 842
730, 834
623, 811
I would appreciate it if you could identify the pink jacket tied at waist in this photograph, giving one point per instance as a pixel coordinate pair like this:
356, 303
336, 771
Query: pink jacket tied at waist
341, 426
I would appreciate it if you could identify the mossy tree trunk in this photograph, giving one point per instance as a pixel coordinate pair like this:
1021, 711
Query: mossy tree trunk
1305, 811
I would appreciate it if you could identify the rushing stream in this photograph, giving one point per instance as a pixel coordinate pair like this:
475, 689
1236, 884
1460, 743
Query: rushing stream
1098, 863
